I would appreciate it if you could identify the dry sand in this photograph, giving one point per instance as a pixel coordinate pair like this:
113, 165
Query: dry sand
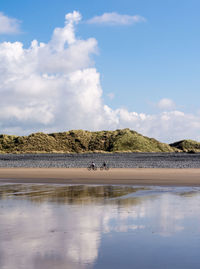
131, 176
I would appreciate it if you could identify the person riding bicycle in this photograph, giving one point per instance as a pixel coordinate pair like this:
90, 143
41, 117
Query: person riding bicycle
93, 165
104, 166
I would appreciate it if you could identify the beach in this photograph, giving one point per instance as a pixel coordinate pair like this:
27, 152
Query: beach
124, 176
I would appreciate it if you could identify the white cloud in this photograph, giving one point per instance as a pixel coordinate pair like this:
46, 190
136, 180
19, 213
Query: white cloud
114, 18
166, 104
166, 126
54, 86
9, 25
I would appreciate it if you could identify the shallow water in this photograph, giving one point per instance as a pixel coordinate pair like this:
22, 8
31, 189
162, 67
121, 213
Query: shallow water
51, 226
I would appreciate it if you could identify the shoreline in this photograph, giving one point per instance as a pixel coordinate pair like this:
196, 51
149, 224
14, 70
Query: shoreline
115, 176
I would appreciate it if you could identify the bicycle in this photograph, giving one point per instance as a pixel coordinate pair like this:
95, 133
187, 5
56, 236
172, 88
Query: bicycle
92, 167
104, 167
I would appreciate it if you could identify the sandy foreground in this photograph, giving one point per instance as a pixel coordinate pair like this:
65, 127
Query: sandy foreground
131, 176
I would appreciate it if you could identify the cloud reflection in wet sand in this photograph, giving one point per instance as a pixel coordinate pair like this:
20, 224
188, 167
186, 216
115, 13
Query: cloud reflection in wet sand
58, 226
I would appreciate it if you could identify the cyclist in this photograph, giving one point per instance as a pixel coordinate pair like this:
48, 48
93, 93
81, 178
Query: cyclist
104, 165
93, 165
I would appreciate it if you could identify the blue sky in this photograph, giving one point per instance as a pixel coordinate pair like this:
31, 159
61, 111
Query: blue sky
149, 67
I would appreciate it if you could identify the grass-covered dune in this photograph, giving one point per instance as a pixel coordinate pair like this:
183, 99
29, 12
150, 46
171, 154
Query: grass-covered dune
189, 146
79, 141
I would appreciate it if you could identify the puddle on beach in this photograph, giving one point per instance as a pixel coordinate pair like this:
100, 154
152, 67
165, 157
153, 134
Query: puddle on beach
75, 227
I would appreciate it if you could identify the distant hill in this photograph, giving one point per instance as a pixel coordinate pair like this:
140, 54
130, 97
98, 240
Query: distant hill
79, 141
189, 146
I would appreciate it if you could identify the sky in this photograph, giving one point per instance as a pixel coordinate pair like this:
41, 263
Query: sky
100, 65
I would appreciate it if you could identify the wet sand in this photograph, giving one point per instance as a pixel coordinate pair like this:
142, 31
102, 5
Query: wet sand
129, 176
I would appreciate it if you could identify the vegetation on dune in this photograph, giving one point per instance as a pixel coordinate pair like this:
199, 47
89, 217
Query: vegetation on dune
79, 141
189, 146
127, 140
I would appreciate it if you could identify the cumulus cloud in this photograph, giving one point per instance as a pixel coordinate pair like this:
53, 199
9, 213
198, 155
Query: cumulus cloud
54, 86
114, 18
166, 104
166, 126
8, 25
50, 84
